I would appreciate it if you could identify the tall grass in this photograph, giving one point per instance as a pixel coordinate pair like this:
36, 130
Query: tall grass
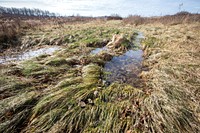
179, 18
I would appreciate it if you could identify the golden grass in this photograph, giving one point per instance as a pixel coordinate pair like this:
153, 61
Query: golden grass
178, 18
67, 93
172, 54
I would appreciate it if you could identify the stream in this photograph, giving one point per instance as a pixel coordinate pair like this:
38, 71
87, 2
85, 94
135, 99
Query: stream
125, 68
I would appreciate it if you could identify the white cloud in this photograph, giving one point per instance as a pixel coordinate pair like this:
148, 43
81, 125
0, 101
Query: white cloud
105, 7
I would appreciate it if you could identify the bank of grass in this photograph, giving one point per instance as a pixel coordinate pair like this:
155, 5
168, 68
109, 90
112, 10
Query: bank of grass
172, 54
64, 92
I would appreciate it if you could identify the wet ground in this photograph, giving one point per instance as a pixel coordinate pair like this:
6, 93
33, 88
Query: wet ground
138, 39
98, 50
28, 54
125, 68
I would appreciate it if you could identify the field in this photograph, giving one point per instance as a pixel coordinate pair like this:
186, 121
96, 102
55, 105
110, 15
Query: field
67, 90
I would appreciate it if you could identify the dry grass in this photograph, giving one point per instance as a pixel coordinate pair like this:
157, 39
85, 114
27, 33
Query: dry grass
13, 27
172, 54
179, 18
65, 92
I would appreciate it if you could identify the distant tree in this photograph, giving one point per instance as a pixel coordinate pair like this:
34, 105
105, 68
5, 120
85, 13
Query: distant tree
26, 12
114, 17
183, 13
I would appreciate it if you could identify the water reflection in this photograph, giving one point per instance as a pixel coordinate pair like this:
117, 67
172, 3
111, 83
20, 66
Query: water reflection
28, 55
98, 50
126, 68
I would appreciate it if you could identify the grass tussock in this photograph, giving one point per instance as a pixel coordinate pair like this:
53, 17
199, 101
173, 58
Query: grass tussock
117, 108
15, 110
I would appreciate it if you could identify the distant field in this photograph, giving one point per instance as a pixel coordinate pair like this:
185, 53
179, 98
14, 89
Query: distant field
68, 90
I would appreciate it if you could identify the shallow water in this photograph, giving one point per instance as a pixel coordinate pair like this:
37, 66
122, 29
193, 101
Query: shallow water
126, 68
138, 38
27, 55
98, 50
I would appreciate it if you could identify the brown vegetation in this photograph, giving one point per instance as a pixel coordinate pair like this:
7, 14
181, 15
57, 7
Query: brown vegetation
172, 55
179, 18
66, 92
14, 23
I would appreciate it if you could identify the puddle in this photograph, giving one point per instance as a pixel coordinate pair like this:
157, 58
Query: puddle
136, 43
98, 50
125, 68
28, 54
138, 38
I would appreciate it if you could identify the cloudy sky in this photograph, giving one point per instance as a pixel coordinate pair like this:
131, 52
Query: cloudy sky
107, 7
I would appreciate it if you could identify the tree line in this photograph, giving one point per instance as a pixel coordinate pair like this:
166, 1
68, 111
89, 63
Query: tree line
26, 12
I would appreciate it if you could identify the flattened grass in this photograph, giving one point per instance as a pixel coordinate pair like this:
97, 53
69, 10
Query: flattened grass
68, 93
67, 86
173, 77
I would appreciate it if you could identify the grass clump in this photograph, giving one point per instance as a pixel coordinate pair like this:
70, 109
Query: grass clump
15, 110
91, 74
56, 62
69, 81
11, 85
86, 108
30, 66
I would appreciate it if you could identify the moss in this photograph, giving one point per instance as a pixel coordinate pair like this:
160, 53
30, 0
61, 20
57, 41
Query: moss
90, 41
56, 62
73, 45
3, 80
29, 67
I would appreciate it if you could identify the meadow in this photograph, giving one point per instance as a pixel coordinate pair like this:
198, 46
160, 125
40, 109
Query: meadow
68, 90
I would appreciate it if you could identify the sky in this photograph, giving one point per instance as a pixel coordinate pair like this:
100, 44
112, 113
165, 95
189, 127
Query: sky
108, 7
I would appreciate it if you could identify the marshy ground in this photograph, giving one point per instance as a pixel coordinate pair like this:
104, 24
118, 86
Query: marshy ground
76, 89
